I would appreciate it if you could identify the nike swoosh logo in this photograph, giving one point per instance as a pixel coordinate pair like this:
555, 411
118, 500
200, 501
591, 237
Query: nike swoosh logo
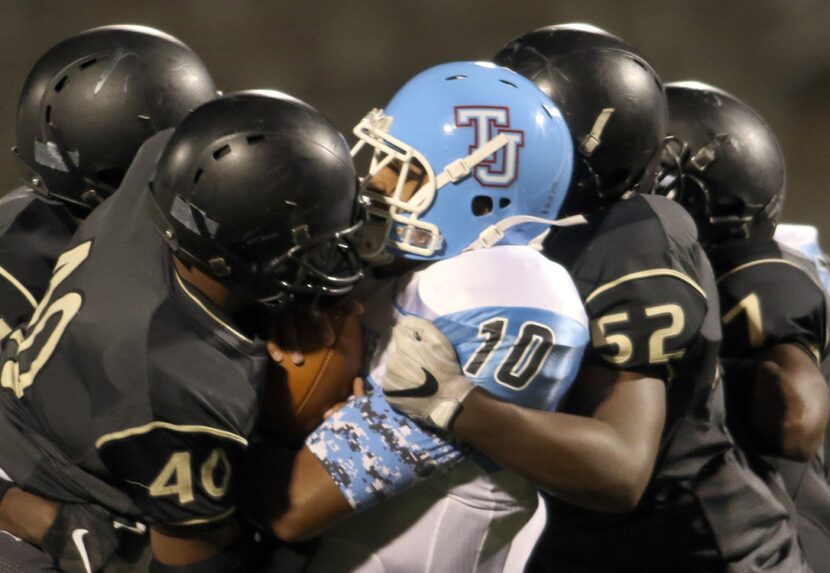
78, 540
428, 388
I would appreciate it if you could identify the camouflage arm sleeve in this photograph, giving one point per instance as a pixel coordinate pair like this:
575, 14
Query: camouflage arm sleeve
372, 452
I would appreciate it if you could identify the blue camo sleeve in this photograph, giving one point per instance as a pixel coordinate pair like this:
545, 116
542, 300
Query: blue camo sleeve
373, 452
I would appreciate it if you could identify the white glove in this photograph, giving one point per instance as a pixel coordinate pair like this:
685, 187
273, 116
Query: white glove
423, 378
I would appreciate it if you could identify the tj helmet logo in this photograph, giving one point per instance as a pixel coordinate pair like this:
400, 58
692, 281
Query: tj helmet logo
501, 168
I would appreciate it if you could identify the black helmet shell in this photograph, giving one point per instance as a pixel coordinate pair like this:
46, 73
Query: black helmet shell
93, 99
258, 189
722, 162
611, 98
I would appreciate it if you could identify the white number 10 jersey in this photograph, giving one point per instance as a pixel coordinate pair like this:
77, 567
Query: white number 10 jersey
519, 330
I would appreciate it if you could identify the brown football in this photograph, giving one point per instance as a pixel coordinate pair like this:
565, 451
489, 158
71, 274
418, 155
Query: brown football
296, 397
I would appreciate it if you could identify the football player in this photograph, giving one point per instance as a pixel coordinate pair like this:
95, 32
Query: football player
647, 477
135, 384
85, 108
724, 165
469, 161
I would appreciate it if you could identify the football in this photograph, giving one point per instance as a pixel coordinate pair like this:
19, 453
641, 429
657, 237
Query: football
297, 396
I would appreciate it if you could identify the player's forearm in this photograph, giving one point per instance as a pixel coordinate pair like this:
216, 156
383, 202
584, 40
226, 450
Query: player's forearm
26, 515
790, 404
290, 493
315, 502
579, 459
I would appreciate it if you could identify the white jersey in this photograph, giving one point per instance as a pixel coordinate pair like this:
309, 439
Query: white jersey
804, 238
519, 329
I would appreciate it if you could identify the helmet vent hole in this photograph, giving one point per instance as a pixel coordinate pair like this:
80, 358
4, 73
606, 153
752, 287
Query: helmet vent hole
49, 114
252, 139
456, 77
504, 203
222, 152
482, 205
198, 175
61, 84
511, 84
547, 111
88, 63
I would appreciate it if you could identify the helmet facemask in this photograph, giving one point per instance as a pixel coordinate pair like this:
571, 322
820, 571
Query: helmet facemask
319, 268
395, 219
326, 267
681, 177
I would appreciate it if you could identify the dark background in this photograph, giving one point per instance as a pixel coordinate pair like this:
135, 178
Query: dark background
345, 57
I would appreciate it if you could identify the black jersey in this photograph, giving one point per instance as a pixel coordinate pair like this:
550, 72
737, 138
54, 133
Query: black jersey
769, 295
33, 232
651, 298
127, 388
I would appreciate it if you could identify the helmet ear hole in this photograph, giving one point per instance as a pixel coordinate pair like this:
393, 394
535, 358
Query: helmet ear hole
482, 205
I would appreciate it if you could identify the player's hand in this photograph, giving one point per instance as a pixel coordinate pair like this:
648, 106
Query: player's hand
315, 326
423, 378
357, 391
82, 538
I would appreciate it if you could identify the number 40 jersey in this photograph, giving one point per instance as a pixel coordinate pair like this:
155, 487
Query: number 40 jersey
128, 389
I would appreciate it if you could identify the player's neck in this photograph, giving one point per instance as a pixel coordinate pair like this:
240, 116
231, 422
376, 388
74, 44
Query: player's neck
216, 292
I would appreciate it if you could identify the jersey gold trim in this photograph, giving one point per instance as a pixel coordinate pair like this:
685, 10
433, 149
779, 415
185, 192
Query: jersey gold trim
19, 286
814, 351
644, 275
120, 435
207, 311
758, 262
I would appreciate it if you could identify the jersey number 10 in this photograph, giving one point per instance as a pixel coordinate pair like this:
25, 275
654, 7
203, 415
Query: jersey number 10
525, 358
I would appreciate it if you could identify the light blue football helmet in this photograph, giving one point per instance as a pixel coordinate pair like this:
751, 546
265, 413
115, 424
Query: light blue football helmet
495, 151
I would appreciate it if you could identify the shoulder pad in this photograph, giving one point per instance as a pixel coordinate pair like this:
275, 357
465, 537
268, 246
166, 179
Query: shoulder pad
769, 296
645, 320
632, 236
504, 276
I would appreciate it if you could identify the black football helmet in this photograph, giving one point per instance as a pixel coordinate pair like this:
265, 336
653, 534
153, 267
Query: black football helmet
613, 102
92, 100
258, 190
722, 162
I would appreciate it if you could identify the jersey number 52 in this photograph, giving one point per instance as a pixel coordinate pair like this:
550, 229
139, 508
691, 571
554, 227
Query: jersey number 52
624, 346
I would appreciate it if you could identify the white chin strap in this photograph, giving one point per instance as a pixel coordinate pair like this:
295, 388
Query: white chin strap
496, 232
461, 168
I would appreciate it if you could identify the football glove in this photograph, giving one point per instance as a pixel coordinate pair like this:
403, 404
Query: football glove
82, 538
423, 378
